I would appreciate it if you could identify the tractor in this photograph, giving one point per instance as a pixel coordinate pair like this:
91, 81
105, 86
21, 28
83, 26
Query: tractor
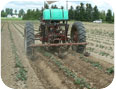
54, 33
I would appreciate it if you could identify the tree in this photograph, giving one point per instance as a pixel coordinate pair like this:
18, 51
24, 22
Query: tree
21, 12
113, 18
46, 6
88, 12
15, 12
102, 15
28, 15
71, 13
109, 16
37, 14
32, 14
54, 7
77, 13
62, 7
95, 13
9, 11
82, 12
3, 13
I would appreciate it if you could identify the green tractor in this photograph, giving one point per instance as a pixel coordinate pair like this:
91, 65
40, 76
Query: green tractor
53, 33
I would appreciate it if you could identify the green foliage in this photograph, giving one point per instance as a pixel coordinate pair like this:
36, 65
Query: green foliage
9, 11
3, 13
94, 64
81, 13
71, 13
62, 7
110, 70
109, 16
5, 18
54, 7
21, 74
88, 14
95, 13
15, 12
21, 12
46, 5
102, 53
81, 82
32, 14
97, 64
102, 15
66, 70
47, 54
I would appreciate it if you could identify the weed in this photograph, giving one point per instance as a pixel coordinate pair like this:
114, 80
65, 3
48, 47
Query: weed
110, 70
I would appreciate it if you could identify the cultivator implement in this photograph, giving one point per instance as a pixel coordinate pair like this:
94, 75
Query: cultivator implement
53, 33
56, 45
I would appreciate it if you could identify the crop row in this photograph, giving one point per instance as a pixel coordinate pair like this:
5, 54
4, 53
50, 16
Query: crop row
104, 41
100, 38
68, 72
100, 46
21, 73
99, 52
109, 70
101, 33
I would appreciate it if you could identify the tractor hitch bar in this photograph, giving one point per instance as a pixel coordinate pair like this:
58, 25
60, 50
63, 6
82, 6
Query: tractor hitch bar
61, 44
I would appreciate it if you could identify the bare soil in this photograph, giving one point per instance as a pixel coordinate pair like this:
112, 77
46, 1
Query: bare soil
42, 73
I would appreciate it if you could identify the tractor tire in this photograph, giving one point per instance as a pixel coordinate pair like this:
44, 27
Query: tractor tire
29, 38
78, 35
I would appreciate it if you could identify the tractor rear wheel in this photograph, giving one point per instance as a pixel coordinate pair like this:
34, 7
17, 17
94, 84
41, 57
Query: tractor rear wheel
29, 38
78, 35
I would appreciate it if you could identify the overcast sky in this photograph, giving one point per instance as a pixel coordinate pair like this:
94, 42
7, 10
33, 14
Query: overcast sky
39, 4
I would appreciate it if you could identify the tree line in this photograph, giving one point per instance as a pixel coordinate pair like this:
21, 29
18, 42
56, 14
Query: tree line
80, 13
89, 13
9, 11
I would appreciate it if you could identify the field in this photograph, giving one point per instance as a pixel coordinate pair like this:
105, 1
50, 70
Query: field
48, 71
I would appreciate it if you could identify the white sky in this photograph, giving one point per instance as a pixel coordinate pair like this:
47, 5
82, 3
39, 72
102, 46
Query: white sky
32, 4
